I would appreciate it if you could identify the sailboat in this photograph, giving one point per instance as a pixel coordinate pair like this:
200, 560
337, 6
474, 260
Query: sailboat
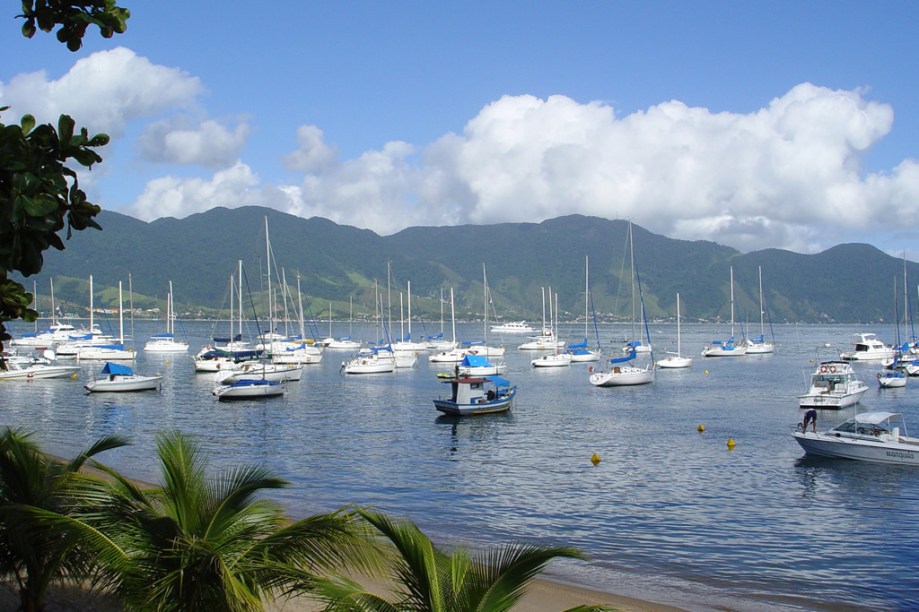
579, 351
621, 370
759, 345
676, 360
560, 358
726, 348
166, 342
483, 348
115, 351
546, 340
452, 354
344, 342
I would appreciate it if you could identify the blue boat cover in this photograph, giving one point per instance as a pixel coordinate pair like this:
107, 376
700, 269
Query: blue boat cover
475, 361
499, 380
628, 357
162, 336
116, 368
581, 344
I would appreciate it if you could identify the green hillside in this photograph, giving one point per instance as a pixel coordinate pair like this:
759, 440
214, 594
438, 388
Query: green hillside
850, 283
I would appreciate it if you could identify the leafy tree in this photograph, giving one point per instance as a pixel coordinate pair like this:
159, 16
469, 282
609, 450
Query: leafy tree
429, 579
199, 543
32, 484
39, 192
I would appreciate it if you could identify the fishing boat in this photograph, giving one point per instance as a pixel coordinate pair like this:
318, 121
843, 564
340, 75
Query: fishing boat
249, 388
477, 395
676, 360
879, 437
833, 384
119, 378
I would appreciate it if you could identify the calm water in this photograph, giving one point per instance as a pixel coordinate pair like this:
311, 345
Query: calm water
669, 514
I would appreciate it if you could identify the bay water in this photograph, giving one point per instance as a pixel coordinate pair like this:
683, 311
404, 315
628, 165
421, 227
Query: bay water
670, 514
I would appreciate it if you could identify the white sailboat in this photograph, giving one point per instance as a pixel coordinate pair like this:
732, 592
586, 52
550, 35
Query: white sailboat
759, 345
560, 358
676, 360
727, 347
115, 351
622, 371
166, 342
579, 352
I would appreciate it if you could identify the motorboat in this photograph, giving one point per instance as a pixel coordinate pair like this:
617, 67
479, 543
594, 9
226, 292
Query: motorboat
879, 437
888, 379
477, 395
249, 388
16, 370
867, 346
513, 327
119, 377
622, 373
833, 384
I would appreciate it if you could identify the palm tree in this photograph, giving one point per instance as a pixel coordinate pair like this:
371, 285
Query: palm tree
428, 579
33, 484
199, 543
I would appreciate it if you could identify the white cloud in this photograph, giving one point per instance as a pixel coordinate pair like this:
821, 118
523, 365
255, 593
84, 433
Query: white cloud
787, 175
176, 140
102, 91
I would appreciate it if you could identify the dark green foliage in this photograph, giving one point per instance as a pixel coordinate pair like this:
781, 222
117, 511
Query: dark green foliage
73, 18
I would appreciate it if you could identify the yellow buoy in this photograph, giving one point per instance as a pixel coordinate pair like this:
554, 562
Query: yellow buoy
705, 372
731, 443
595, 459
701, 427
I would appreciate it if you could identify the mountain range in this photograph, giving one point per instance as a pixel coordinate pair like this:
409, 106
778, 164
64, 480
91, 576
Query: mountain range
343, 268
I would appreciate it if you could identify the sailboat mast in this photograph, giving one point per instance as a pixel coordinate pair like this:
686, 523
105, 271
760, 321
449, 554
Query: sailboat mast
732, 301
239, 298
762, 311
484, 304
90, 303
409, 292
586, 294
120, 317
268, 271
453, 316
679, 348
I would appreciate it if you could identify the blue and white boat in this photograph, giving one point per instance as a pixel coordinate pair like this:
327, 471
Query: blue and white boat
119, 378
477, 395
249, 388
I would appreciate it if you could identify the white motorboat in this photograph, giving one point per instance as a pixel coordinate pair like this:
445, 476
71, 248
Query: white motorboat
119, 378
879, 437
249, 388
866, 346
477, 395
676, 360
833, 384
513, 327
726, 348
16, 370
888, 379
454, 355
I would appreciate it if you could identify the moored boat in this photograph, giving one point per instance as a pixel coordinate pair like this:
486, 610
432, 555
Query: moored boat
477, 395
879, 437
119, 378
32, 371
249, 388
833, 384
866, 346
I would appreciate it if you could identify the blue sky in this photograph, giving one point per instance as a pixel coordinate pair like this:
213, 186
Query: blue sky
786, 124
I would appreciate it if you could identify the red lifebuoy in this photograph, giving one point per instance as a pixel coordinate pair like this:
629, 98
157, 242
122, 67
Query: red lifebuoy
832, 369
590, 369
823, 369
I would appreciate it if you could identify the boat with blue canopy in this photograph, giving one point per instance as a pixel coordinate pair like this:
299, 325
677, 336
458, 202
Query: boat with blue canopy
119, 377
477, 395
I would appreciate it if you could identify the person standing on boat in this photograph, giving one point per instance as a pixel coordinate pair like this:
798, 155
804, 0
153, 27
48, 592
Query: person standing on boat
810, 418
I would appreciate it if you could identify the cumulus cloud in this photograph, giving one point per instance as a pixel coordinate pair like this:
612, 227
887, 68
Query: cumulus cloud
177, 140
787, 175
103, 91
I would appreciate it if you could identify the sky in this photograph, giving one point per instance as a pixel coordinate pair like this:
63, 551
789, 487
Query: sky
791, 125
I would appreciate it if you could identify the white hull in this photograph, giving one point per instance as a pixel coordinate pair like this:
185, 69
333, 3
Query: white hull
757, 348
833, 385
584, 356
249, 390
722, 351
264, 371
865, 448
37, 371
165, 346
513, 328
552, 361
674, 362
623, 376
343, 345
104, 354
121, 383
891, 380
369, 365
